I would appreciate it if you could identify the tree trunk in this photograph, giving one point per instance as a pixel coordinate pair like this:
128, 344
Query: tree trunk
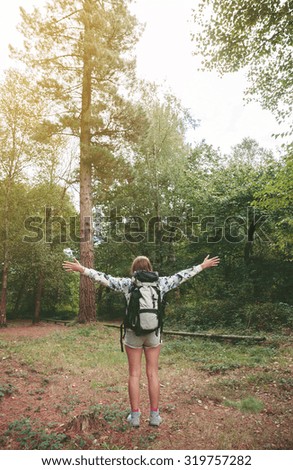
87, 292
19, 297
87, 302
38, 301
3, 302
3, 320
249, 244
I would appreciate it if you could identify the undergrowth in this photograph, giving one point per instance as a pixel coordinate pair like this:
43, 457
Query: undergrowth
34, 438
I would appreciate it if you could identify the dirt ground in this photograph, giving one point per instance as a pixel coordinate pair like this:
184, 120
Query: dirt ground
194, 417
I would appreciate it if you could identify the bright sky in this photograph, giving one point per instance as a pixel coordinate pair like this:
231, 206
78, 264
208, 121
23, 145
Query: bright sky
165, 55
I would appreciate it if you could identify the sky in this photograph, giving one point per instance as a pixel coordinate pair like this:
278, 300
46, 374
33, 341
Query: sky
164, 56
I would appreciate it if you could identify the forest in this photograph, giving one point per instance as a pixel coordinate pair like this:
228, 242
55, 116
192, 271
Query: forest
97, 164
100, 165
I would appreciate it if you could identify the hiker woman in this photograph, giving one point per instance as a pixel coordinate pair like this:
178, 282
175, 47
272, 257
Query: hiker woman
149, 343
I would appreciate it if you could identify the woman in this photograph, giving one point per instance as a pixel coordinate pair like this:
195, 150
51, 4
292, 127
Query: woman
150, 343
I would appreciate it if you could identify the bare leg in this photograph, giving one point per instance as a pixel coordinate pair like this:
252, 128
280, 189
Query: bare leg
152, 370
134, 364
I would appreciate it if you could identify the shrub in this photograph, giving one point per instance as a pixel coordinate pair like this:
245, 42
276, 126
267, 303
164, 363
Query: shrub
267, 316
206, 314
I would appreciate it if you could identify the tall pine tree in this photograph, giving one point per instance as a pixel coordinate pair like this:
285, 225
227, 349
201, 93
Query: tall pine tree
82, 53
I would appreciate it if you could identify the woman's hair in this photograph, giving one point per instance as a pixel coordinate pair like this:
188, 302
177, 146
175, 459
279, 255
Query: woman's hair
141, 263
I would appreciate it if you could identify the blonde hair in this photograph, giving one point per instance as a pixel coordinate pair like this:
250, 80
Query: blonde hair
141, 263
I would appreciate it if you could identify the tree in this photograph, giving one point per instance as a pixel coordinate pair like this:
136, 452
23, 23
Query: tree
13, 210
20, 110
82, 53
48, 231
276, 196
149, 194
256, 35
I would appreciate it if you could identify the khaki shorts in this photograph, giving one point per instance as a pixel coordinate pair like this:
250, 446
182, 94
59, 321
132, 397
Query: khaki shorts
151, 340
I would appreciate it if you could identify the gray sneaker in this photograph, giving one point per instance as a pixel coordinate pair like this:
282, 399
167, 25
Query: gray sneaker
155, 418
134, 418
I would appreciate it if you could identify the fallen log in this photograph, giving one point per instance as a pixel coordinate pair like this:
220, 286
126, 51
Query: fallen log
203, 335
57, 320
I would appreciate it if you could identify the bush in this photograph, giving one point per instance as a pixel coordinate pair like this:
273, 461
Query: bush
229, 314
203, 314
267, 316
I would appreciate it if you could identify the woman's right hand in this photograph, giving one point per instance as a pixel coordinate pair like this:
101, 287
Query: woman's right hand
73, 266
210, 262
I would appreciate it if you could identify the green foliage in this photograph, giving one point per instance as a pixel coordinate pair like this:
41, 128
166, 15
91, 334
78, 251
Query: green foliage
31, 437
112, 413
275, 196
253, 275
6, 389
205, 314
107, 446
247, 405
202, 314
276, 192
267, 316
154, 194
252, 271
48, 208
254, 34
84, 79
136, 224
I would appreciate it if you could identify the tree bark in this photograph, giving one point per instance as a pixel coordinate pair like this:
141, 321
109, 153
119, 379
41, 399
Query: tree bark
19, 297
38, 301
249, 244
3, 302
87, 301
3, 319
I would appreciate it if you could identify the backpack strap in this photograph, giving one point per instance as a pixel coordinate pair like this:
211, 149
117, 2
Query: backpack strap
122, 334
163, 303
124, 324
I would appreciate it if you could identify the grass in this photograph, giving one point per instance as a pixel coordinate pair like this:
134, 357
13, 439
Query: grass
216, 357
82, 348
77, 348
247, 405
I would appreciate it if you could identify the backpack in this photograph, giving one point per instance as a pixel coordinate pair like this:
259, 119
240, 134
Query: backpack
144, 310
